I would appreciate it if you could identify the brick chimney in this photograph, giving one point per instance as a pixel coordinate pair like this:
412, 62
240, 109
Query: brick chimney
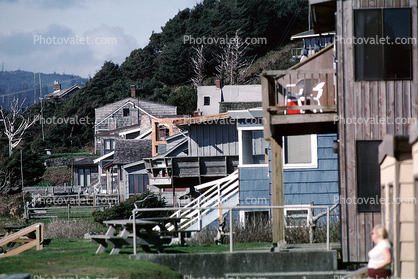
133, 91
57, 86
218, 83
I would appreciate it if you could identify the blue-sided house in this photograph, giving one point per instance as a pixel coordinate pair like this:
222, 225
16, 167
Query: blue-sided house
310, 167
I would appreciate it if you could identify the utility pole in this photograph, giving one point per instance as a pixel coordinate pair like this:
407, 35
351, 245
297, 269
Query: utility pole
42, 118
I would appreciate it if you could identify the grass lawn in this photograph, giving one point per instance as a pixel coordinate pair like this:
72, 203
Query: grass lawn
76, 257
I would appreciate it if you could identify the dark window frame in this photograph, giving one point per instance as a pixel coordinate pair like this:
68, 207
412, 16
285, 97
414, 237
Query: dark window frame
126, 112
380, 71
206, 100
368, 176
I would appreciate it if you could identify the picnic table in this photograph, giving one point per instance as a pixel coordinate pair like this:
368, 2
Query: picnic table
146, 235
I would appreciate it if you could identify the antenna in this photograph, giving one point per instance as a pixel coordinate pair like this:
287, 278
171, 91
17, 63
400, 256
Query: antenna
40, 85
2, 65
34, 87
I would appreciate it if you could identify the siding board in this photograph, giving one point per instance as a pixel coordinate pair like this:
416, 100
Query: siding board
342, 133
374, 111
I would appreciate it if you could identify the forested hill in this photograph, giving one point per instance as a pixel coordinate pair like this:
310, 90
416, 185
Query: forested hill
26, 85
162, 70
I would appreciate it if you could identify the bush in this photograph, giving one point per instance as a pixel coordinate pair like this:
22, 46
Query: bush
12, 205
124, 209
72, 228
260, 230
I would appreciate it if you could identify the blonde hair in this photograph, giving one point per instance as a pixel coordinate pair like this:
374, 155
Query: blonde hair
381, 230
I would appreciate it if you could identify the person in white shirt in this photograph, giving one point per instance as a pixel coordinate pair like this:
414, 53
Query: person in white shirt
380, 257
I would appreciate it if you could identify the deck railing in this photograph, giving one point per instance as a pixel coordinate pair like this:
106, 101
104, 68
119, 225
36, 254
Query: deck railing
312, 89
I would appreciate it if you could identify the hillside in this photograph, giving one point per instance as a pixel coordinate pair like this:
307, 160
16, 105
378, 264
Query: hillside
162, 70
23, 84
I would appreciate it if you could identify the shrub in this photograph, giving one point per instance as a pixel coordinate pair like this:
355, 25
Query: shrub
12, 205
260, 230
72, 228
124, 209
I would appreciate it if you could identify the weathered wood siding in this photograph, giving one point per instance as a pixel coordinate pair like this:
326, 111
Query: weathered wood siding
214, 139
365, 100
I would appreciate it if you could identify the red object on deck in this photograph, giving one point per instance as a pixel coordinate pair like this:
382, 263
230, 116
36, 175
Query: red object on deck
290, 104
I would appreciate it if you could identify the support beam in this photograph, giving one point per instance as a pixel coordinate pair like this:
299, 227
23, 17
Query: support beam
277, 189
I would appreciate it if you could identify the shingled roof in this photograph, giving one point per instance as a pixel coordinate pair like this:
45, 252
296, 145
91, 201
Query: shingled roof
128, 151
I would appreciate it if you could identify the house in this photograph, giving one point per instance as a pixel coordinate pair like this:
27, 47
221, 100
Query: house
220, 144
136, 177
123, 131
368, 91
398, 199
125, 151
130, 112
64, 93
212, 100
85, 171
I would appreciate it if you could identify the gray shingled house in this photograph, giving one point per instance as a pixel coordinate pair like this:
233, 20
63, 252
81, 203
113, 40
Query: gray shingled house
126, 151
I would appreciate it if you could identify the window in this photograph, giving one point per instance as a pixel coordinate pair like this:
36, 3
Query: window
300, 152
368, 176
125, 112
109, 146
162, 131
206, 101
253, 147
383, 47
297, 215
84, 177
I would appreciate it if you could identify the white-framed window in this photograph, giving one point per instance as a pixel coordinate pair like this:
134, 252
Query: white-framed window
109, 145
300, 152
297, 215
252, 147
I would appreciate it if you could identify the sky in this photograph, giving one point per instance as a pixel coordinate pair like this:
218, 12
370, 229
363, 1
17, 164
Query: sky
78, 36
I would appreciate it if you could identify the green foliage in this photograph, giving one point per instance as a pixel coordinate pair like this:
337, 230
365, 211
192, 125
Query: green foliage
33, 168
124, 209
185, 99
162, 70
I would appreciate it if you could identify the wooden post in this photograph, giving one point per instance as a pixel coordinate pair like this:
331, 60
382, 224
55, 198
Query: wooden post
277, 189
69, 210
39, 236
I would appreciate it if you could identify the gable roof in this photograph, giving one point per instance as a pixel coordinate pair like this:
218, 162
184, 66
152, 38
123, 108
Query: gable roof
128, 151
85, 161
65, 92
152, 108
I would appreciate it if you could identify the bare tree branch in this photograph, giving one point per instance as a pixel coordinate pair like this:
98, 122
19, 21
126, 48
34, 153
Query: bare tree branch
15, 124
198, 63
232, 65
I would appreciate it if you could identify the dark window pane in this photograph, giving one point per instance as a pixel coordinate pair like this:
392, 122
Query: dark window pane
397, 52
369, 57
382, 50
125, 112
206, 101
368, 176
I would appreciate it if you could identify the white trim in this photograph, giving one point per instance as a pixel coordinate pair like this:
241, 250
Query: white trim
104, 157
252, 165
240, 163
129, 131
314, 156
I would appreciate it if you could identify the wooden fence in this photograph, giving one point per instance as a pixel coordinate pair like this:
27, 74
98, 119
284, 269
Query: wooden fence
61, 211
